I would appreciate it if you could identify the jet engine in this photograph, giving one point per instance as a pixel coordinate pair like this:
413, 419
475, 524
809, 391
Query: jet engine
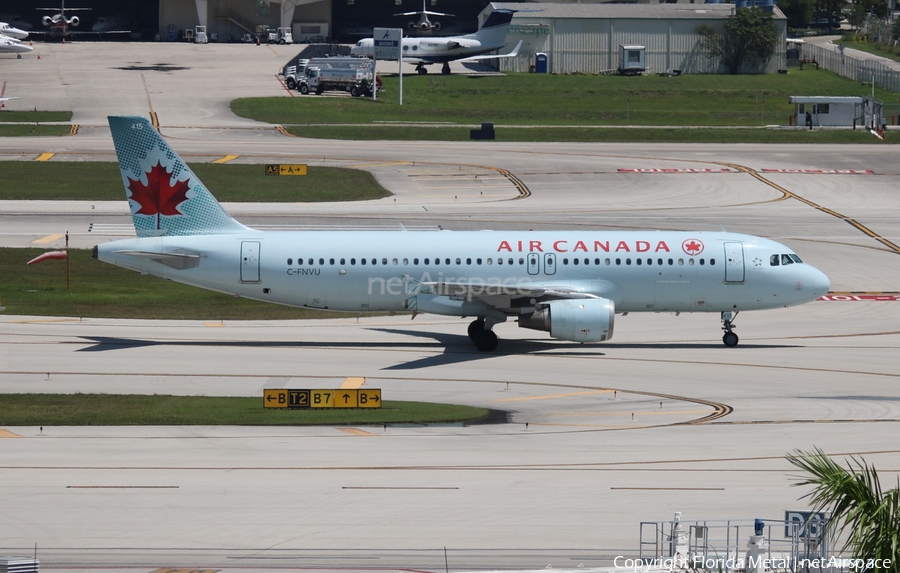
578, 320
47, 20
413, 26
436, 26
74, 21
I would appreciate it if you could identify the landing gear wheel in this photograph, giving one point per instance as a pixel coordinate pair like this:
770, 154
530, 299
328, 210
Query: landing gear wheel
486, 341
421, 71
730, 339
445, 69
475, 327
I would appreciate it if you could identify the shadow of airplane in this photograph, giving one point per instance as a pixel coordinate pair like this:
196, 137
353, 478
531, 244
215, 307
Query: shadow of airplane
455, 348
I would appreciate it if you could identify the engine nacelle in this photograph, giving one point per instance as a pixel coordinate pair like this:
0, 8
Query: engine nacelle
436, 26
47, 20
413, 26
74, 21
578, 320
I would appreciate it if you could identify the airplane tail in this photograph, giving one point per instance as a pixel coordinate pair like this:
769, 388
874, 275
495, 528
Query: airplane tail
495, 28
165, 196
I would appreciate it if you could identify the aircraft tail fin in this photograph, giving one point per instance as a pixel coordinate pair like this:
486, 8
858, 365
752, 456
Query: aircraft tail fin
495, 28
165, 196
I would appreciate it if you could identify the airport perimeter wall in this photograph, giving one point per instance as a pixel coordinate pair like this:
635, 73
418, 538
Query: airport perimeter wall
849, 66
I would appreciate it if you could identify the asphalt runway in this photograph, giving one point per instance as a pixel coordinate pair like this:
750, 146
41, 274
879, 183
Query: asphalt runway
663, 418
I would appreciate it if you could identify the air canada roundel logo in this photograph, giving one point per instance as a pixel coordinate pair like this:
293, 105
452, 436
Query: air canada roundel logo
692, 247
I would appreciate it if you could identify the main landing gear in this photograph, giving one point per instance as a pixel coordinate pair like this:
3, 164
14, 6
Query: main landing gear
729, 338
484, 338
445, 69
421, 70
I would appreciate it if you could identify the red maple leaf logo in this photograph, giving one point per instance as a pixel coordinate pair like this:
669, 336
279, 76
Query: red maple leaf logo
692, 247
158, 197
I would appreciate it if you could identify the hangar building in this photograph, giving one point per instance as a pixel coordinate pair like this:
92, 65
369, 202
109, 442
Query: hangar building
585, 38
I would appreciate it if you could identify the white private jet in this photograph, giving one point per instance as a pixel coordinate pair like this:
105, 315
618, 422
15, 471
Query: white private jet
424, 25
468, 48
59, 23
13, 46
12, 32
569, 283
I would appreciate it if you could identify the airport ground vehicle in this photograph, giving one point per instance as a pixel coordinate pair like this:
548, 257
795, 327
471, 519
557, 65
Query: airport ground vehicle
293, 75
357, 81
280, 36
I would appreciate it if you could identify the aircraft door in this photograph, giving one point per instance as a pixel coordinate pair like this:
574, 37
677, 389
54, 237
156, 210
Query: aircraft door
249, 261
550, 264
734, 262
534, 263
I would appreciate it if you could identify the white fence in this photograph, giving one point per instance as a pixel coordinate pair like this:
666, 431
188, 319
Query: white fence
852, 67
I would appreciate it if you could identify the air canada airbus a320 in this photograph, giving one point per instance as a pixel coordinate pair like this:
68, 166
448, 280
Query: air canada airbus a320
568, 283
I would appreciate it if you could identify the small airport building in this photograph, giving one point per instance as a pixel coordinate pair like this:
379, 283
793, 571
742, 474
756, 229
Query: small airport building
589, 38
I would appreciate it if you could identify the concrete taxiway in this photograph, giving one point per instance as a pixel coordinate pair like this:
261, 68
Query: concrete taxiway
663, 418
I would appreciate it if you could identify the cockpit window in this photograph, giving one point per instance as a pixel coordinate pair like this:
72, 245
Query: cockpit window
786, 260
796, 258
774, 260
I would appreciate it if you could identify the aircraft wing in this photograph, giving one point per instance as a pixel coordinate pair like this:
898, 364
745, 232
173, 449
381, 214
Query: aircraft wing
420, 12
513, 54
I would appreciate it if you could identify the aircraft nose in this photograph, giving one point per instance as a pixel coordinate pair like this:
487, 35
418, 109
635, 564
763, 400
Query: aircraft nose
816, 282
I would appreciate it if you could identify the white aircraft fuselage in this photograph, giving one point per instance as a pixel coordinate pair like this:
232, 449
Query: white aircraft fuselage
569, 283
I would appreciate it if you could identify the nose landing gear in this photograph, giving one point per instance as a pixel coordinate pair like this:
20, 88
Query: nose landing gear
730, 339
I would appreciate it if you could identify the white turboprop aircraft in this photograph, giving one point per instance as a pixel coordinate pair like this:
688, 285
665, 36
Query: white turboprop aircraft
468, 48
12, 32
14, 46
570, 283
424, 25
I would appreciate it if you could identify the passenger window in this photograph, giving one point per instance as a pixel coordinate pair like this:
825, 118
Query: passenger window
490, 261
352, 261
680, 262
394, 262
627, 261
478, 261
638, 261
659, 262
468, 261
361, 261
691, 262
786, 260
702, 262
290, 261
405, 261
712, 261
574, 261
671, 262
384, 261
773, 260
795, 258
321, 261
521, 261
311, 261
299, 261
607, 261
458, 261
649, 261
415, 261
618, 261
499, 261
426, 261
342, 261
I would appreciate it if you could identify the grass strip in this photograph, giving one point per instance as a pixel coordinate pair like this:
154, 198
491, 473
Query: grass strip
96, 181
157, 410
597, 134
23, 130
101, 290
566, 100
9, 116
